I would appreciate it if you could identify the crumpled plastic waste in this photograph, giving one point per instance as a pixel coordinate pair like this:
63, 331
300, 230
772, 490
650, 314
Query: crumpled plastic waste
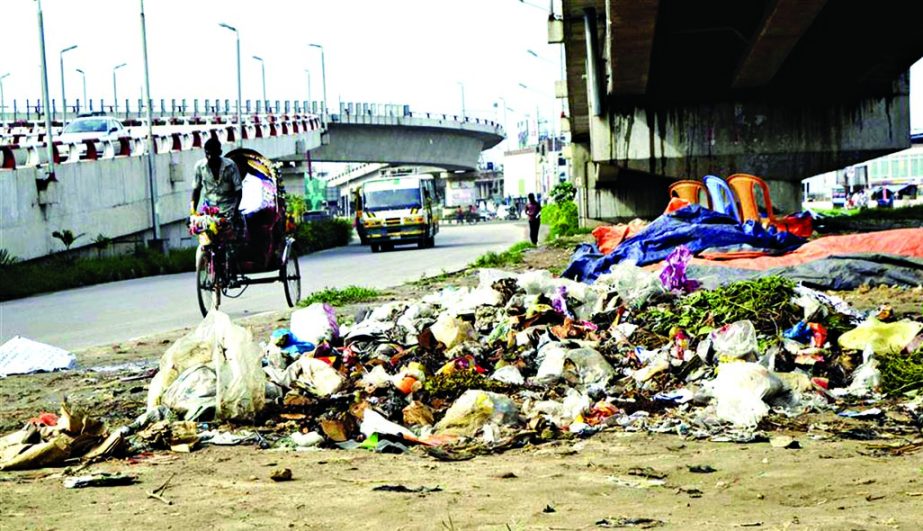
315, 375
673, 276
634, 285
232, 354
474, 409
450, 330
315, 324
740, 390
882, 338
735, 340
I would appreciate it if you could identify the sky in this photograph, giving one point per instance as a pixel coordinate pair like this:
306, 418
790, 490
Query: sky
418, 52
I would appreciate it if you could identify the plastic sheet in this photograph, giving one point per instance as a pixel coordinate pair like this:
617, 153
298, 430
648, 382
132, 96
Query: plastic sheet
20, 355
474, 409
315, 324
881, 337
739, 391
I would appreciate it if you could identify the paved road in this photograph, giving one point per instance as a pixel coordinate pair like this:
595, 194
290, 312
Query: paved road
118, 311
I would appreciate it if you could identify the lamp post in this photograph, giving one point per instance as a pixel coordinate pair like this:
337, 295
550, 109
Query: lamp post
323, 75
115, 90
240, 123
462, 86
63, 97
308, 73
151, 166
46, 95
263, 68
2, 102
83, 76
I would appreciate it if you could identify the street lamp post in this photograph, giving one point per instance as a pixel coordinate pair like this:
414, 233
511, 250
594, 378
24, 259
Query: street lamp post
46, 95
2, 102
308, 73
462, 85
63, 97
115, 90
83, 76
151, 166
323, 75
240, 122
263, 69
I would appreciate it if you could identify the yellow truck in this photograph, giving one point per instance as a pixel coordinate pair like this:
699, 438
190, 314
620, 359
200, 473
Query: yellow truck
397, 210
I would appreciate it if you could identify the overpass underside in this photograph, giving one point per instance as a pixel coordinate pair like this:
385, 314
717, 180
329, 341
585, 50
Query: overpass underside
784, 89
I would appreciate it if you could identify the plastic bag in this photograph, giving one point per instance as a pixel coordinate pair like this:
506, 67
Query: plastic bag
735, 340
633, 284
508, 374
673, 276
866, 377
315, 324
474, 409
320, 378
231, 353
882, 338
739, 391
450, 330
193, 393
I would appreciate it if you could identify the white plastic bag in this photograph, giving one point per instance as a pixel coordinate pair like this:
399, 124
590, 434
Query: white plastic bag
231, 353
193, 393
740, 390
320, 378
315, 324
735, 340
633, 284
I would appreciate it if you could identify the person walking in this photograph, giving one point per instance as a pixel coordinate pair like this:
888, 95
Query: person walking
534, 213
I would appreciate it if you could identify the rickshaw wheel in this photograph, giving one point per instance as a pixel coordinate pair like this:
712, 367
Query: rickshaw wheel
290, 274
207, 290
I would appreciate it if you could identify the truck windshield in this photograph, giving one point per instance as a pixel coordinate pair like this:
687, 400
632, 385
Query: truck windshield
392, 199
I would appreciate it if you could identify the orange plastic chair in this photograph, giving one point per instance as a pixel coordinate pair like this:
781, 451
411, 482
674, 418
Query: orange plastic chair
745, 186
692, 191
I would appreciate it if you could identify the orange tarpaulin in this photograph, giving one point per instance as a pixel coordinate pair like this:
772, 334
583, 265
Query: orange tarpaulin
901, 242
608, 237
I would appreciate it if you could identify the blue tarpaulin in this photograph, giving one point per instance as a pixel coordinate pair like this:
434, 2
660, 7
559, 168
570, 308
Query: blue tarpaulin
693, 226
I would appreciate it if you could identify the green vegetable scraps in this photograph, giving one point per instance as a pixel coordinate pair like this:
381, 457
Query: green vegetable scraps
766, 302
901, 372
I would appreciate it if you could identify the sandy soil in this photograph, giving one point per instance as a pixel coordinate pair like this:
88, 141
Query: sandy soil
831, 482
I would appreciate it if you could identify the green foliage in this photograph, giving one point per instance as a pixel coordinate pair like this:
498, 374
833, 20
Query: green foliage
24, 279
339, 297
67, 237
323, 234
901, 372
509, 257
451, 386
562, 219
563, 191
7, 258
295, 206
766, 302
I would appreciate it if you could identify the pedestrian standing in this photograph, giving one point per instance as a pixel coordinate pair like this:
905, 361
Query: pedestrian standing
534, 213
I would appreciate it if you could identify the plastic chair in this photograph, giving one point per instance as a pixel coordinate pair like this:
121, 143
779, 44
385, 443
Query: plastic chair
721, 196
745, 186
691, 191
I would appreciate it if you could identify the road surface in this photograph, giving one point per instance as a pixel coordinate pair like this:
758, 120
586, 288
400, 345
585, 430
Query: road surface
119, 311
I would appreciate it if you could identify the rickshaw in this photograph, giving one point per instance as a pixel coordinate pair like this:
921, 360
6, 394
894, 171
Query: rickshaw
226, 264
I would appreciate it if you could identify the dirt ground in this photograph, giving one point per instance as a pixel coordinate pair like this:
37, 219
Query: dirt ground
831, 482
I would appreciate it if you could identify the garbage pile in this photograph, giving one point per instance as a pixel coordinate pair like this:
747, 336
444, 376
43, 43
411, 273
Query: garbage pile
525, 358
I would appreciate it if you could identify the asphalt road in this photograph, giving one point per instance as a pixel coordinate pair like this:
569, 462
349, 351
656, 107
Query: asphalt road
119, 311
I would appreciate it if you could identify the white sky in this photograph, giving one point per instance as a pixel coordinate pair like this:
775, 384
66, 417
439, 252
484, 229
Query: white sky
383, 51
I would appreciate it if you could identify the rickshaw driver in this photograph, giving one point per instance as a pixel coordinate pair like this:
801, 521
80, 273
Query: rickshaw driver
217, 182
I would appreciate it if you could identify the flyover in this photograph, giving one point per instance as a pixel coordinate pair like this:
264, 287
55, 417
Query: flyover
104, 190
660, 90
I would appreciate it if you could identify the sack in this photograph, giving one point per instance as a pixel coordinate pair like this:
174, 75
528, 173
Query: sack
229, 350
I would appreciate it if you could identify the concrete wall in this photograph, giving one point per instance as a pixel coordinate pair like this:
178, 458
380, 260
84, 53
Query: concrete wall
109, 197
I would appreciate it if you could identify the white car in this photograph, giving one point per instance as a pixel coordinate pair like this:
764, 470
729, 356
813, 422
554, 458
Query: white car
91, 128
